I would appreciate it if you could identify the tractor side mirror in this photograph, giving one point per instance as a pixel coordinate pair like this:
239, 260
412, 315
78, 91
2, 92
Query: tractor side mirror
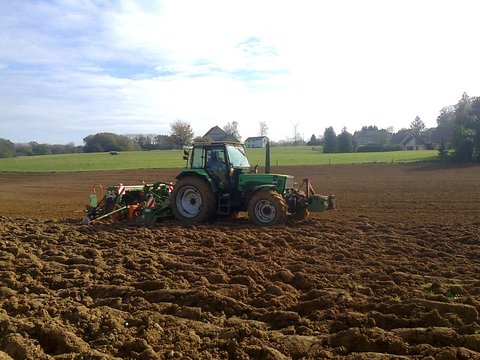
255, 169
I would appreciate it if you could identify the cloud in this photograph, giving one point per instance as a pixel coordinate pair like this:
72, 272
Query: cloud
70, 68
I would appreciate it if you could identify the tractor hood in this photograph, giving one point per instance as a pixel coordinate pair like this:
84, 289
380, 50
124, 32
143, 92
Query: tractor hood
280, 181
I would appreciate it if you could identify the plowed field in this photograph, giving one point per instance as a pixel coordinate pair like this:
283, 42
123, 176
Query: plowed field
393, 273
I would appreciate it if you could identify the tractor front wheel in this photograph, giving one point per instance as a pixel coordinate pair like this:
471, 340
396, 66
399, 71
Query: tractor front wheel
267, 207
192, 200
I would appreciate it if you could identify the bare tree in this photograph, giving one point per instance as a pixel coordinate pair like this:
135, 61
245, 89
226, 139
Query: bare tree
296, 135
263, 128
232, 129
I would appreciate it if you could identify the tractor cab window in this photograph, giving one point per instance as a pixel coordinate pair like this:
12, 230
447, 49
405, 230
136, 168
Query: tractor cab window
216, 165
215, 158
197, 159
237, 156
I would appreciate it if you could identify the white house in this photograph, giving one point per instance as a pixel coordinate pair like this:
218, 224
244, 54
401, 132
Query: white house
256, 142
412, 142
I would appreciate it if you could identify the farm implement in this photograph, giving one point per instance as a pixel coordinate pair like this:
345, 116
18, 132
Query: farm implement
217, 182
139, 204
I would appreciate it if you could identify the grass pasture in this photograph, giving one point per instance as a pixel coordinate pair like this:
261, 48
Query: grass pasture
280, 156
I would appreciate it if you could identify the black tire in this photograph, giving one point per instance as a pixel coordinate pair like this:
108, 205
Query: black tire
266, 208
192, 200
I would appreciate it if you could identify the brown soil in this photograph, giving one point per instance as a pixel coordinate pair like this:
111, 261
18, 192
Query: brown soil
392, 273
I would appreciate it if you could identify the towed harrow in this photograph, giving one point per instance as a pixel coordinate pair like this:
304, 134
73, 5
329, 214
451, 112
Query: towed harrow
138, 204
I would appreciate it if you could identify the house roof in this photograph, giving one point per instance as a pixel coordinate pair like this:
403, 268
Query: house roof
371, 137
253, 138
217, 134
409, 137
398, 137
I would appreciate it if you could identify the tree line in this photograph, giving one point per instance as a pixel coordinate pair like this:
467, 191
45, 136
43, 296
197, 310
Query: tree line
181, 134
461, 119
10, 149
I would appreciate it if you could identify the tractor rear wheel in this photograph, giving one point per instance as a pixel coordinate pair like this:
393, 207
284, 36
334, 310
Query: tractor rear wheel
267, 207
192, 200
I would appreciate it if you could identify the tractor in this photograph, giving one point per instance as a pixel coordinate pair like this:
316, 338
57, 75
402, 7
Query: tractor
219, 181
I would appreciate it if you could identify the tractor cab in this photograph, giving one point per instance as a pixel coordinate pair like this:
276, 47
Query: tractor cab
224, 162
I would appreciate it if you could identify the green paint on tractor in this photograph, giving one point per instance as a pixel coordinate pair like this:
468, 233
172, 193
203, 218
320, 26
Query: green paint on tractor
218, 181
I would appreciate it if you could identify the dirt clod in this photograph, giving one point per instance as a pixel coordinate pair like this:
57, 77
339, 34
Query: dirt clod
392, 273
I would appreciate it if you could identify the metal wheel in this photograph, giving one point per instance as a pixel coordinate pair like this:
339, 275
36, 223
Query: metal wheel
265, 211
192, 200
188, 202
267, 208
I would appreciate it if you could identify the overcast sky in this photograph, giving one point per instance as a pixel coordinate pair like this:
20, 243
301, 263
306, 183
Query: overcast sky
70, 68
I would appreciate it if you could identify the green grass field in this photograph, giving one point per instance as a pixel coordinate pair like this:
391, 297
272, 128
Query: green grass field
280, 156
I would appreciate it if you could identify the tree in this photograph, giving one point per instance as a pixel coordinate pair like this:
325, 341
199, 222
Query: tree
101, 142
314, 141
329, 140
40, 149
7, 148
345, 141
446, 118
463, 143
466, 129
23, 150
164, 142
417, 126
296, 135
442, 150
232, 129
263, 128
145, 142
181, 133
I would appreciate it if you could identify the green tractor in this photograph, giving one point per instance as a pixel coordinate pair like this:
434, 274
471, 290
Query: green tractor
219, 181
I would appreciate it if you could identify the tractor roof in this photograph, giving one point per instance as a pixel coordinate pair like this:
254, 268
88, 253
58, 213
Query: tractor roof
203, 143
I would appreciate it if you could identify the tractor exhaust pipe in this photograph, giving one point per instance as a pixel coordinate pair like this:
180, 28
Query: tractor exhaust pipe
267, 157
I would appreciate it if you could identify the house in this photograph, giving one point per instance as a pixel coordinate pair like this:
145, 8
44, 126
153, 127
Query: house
413, 142
371, 137
256, 142
217, 134
410, 141
398, 137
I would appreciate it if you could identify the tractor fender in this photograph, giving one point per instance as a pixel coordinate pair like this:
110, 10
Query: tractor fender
256, 189
207, 178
